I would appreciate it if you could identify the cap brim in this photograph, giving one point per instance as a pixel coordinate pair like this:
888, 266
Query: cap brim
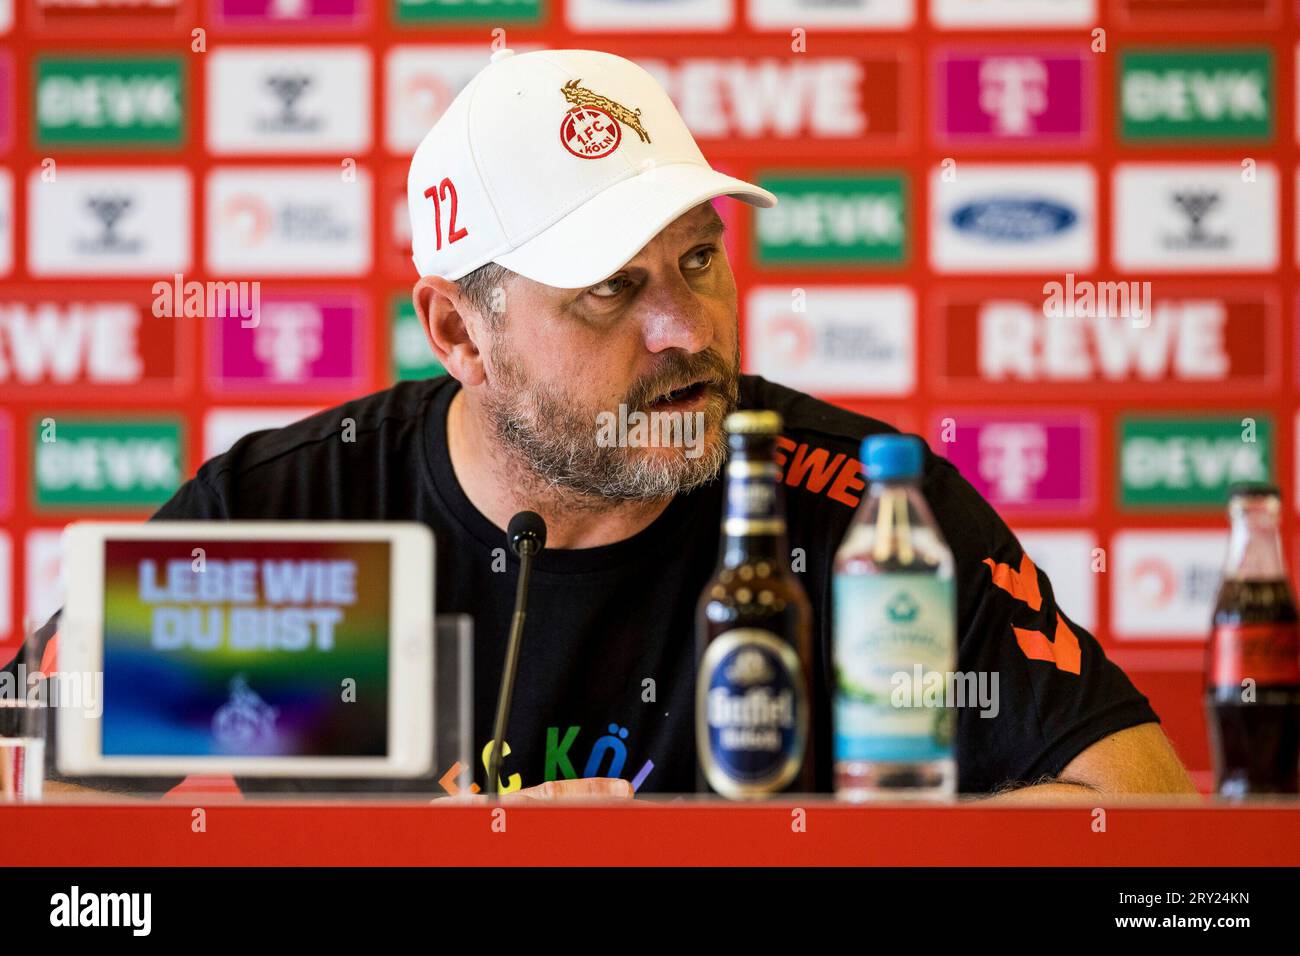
603, 234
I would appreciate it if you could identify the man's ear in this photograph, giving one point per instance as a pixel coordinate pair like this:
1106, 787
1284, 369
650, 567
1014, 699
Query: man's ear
442, 311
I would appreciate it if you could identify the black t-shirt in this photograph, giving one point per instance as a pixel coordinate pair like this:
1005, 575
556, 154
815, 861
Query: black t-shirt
605, 622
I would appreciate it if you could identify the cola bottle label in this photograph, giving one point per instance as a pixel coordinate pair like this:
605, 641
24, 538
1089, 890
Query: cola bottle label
1268, 654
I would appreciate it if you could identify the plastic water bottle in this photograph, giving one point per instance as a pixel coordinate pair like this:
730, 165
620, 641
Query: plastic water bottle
895, 644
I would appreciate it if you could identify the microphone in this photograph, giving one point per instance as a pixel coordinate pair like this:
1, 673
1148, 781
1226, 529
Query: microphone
526, 534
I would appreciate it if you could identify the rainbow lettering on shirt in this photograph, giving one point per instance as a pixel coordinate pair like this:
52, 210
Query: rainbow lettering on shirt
607, 758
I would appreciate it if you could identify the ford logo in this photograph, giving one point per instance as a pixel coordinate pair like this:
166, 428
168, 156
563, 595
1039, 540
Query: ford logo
1014, 220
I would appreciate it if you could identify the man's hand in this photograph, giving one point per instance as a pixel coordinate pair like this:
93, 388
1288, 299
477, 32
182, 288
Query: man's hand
583, 788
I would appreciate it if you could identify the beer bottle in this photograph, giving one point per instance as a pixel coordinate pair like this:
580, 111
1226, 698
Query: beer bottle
1253, 668
753, 635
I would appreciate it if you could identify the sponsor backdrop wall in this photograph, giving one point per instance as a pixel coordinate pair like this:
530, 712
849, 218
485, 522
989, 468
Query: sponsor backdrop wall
938, 165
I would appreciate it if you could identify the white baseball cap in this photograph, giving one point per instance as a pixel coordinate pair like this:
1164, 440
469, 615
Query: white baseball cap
561, 165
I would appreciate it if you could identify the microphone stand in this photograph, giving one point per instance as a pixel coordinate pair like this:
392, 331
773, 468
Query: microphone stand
526, 545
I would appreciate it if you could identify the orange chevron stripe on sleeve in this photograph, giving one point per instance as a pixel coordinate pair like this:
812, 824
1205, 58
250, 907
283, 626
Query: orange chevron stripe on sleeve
1021, 585
1062, 650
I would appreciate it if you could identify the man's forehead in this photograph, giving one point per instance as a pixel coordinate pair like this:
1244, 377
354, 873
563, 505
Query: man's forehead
701, 220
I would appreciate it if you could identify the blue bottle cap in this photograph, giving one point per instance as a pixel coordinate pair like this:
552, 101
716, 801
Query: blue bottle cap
892, 457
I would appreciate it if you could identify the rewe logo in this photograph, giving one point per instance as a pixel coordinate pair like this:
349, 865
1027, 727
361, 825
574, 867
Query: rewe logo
90, 343
1184, 341
76, 908
795, 102
1206, 94
89, 101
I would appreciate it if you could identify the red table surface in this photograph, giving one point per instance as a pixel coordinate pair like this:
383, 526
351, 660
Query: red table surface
643, 834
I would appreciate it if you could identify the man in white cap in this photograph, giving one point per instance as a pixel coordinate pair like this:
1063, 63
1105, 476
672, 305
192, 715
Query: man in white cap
571, 265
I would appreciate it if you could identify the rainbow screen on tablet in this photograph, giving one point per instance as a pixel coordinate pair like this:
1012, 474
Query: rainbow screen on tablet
238, 648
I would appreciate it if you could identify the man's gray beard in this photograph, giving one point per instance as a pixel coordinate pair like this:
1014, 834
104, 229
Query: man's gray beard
556, 443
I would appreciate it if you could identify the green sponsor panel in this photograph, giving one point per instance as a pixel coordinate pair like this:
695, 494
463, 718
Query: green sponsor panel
105, 463
839, 220
109, 101
1214, 94
412, 358
1187, 462
461, 11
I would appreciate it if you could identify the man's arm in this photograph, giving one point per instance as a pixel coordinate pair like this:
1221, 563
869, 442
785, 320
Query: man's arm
1136, 760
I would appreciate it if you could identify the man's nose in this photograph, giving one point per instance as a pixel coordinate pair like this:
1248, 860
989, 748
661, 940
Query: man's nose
674, 318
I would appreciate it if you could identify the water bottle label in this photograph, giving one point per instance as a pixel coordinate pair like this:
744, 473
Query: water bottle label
751, 713
895, 644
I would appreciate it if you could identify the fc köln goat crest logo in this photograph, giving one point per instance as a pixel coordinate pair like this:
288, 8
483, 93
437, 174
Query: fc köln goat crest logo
591, 128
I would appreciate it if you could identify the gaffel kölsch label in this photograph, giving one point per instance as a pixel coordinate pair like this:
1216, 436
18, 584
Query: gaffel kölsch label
752, 713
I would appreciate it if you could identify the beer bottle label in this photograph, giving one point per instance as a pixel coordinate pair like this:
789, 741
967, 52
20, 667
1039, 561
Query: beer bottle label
752, 713
894, 647
1268, 654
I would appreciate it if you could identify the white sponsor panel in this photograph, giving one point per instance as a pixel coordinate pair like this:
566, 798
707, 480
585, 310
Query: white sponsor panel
420, 81
6, 219
6, 586
843, 14
1195, 217
6, 16
851, 340
288, 221
658, 15
1013, 218
116, 223
1163, 584
1066, 558
288, 99
975, 14
43, 572
222, 427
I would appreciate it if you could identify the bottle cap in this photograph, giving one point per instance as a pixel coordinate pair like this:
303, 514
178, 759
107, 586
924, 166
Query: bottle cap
753, 422
891, 457
1252, 489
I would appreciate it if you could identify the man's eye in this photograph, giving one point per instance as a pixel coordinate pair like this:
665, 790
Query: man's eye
701, 258
609, 288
